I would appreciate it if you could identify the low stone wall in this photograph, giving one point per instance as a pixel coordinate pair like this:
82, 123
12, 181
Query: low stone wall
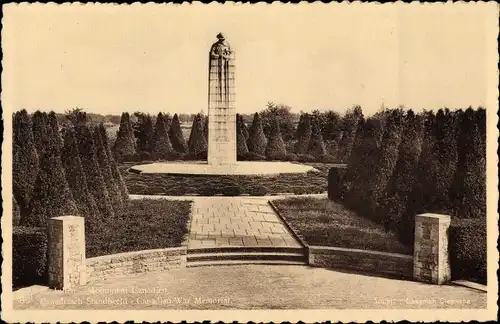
387, 264
115, 265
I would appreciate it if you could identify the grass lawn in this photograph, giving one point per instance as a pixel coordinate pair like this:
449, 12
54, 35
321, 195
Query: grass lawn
145, 224
178, 185
327, 223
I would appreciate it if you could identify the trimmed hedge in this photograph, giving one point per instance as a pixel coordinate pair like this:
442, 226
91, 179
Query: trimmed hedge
467, 248
335, 176
29, 256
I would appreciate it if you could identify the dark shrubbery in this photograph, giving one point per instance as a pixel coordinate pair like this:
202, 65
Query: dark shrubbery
144, 133
29, 256
124, 146
257, 190
399, 187
304, 158
241, 138
231, 189
385, 162
303, 134
349, 128
106, 170
316, 145
251, 156
469, 188
364, 155
257, 140
275, 145
25, 160
467, 248
335, 176
90, 164
176, 137
77, 180
410, 169
197, 143
162, 147
16, 212
291, 157
51, 195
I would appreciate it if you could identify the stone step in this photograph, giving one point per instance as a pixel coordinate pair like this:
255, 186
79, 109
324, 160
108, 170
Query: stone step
250, 249
242, 262
246, 256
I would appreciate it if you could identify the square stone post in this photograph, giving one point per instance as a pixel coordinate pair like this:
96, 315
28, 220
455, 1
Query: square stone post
431, 261
66, 252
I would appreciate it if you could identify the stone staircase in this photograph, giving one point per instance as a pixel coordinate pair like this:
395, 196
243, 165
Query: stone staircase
231, 255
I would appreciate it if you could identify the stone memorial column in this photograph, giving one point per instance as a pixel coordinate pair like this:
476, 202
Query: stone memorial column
221, 104
430, 256
66, 252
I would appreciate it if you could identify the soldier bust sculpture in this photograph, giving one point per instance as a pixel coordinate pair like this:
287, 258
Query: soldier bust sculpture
221, 48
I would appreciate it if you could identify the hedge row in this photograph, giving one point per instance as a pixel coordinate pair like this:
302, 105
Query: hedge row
29, 256
421, 163
58, 172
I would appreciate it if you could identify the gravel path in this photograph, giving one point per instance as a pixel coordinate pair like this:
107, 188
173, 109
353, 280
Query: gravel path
256, 287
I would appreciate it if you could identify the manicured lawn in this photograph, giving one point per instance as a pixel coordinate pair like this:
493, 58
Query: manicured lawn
178, 185
327, 223
146, 224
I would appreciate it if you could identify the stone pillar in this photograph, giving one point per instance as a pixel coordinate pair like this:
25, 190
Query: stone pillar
221, 104
66, 252
430, 256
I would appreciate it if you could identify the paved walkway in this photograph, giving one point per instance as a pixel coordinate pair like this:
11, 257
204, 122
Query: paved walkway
256, 287
237, 221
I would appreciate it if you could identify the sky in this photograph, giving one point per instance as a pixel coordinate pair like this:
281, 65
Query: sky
109, 59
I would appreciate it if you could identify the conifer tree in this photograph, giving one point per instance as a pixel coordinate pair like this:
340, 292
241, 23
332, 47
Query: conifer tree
40, 132
25, 160
205, 128
354, 159
275, 145
469, 189
300, 127
303, 134
241, 144
53, 130
91, 168
125, 141
399, 187
105, 168
316, 145
197, 143
385, 163
114, 166
364, 167
244, 128
349, 127
144, 132
16, 212
425, 170
168, 120
77, 180
51, 195
447, 157
331, 125
176, 136
257, 140
162, 146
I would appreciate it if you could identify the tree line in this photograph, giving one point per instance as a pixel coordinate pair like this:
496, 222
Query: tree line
272, 134
403, 164
66, 170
